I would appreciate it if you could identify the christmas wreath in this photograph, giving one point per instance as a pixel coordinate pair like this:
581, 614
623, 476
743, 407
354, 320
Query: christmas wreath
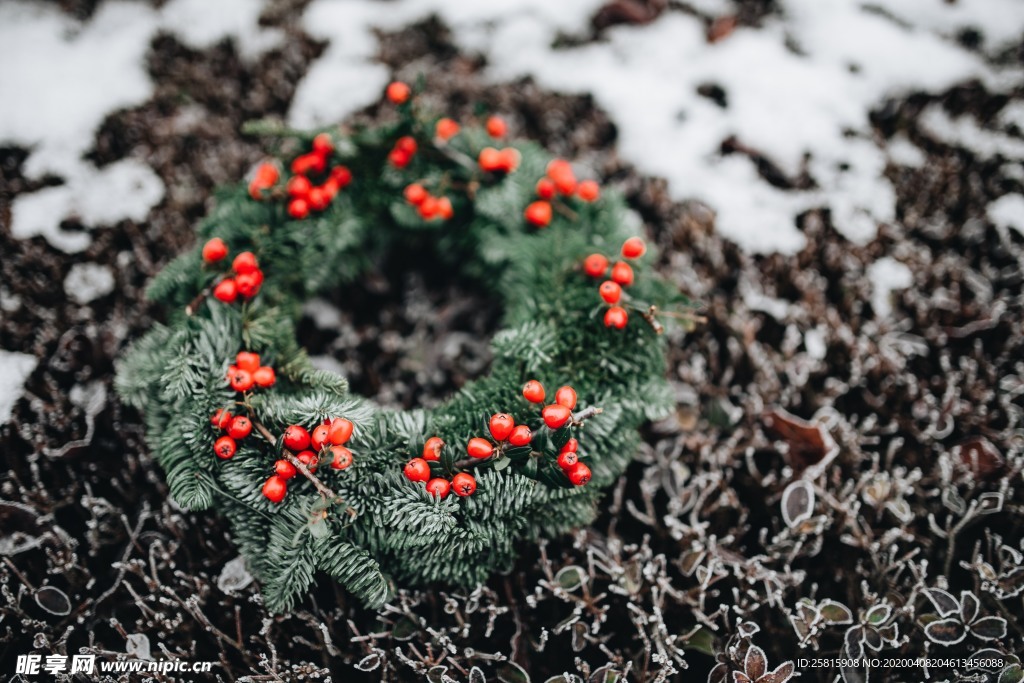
315, 479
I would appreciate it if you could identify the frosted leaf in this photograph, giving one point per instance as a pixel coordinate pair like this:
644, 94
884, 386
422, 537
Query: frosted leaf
235, 576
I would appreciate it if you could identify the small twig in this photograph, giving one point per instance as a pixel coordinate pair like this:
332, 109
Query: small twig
585, 414
649, 316
194, 305
561, 208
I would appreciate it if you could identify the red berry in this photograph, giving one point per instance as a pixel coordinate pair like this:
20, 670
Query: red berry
299, 187
341, 431
432, 448
407, 144
225, 447
248, 284
248, 361
320, 436
479, 448
214, 250
415, 193
428, 208
555, 415
275, 488
561, 173
520, 436
304, 163
439, 487
572, 445
341, 457
622, 273
559, 168
221, 419
398, 92
610, 291
595, 265
319, 199
284, 469
588, 191
240, 427
226, 290
399, 158
342, 176
463, 484
616, 317
509, 159
490, 159
567, 459
298, 208
264, 178
310, 459
245, 263
533, 391
322, 144
446, 129
296, 438
444, 208
417, 469
496, 127
566, 396
240, 380
264, 376
538, 213
634, 247
579, 474
545, 188
501, 425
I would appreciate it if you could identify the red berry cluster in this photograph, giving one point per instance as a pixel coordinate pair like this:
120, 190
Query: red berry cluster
303, 195
596, 266
247, 372
404, 150
494, 160
555, 416
560, 180
247, 278
237, 427
266, 177
326, 443
418, 470
427, 205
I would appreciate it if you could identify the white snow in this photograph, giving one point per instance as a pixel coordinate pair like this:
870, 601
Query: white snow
811, 100
59, 80
967, 133
14, 370
88, 281
799, 89
1008, 212
887, 275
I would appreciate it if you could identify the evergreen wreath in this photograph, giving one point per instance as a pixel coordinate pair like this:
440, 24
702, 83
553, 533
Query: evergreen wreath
313, 478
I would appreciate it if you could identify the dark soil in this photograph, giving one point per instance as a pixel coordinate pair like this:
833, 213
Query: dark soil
925, 407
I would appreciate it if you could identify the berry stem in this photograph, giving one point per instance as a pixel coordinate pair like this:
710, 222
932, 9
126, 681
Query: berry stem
194, 305
585, 414
563, 209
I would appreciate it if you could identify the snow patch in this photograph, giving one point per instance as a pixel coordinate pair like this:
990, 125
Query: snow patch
887, 275
14, 370
1008, 212
88, 281
966, 133
62, 77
